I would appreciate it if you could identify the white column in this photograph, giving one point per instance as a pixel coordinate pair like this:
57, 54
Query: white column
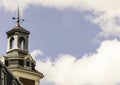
15, 42
8, 44
37, 82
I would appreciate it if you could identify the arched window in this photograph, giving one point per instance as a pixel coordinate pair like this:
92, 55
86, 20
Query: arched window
11, 43
22, 43
28, 63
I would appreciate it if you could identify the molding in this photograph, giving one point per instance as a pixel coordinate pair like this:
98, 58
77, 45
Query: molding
35, 73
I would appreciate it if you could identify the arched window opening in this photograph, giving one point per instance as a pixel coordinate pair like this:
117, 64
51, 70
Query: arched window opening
27, 63
22, 43
11, 43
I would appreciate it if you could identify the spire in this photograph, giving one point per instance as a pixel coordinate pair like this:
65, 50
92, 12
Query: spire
18, 20
18, 17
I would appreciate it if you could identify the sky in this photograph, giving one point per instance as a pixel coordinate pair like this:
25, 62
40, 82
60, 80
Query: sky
74, 42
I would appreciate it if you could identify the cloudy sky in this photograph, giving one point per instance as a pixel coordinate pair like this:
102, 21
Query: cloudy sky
74, 42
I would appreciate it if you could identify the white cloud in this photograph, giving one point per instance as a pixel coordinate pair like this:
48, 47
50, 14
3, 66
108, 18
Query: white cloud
100, 68
12, 5
36, 54
105, 13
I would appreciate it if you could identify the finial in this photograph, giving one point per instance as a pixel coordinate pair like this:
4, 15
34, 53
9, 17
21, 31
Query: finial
18, 20
18, 17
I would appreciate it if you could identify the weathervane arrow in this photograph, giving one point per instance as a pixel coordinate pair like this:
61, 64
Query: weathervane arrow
18, 20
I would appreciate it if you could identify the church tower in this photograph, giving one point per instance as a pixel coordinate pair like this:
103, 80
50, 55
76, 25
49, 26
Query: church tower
17, 59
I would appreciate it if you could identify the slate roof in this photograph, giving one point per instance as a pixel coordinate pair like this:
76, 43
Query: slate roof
18, 28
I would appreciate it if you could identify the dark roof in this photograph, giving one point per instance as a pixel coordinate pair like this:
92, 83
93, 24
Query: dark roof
10, 75
18, 28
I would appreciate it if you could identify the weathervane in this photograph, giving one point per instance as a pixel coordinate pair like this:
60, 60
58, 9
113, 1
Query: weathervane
18, 20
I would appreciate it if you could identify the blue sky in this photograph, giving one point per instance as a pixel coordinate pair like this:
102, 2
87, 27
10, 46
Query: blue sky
69, 37
54, 31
